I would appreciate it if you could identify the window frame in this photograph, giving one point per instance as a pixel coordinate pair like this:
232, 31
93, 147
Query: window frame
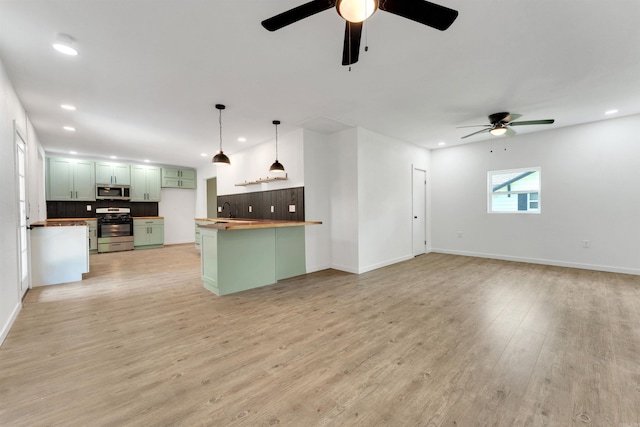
490, 191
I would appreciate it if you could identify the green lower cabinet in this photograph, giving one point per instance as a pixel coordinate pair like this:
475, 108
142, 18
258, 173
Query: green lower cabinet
148, 233
93, 235
238, 260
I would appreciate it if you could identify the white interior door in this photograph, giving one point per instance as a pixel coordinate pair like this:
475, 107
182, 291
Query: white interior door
419, 211
21, 163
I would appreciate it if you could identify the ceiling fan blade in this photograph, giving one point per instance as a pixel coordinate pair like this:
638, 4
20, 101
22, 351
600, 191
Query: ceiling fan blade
480, 131
297, 13
351, 49
473, 126
532, 122
510, 132
424, 12
513, 117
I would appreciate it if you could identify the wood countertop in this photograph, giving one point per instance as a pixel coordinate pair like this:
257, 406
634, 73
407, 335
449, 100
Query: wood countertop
148, 217
62, 222
247, 224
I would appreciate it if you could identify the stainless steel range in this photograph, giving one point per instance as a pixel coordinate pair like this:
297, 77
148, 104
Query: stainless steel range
115, 229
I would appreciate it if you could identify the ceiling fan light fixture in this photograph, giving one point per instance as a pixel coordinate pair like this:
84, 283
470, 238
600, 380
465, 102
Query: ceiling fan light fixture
498, 130
220, 158
356, 10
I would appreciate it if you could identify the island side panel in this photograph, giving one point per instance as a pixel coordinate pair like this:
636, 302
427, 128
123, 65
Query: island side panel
58, 254
209, 259
290, 252
237, 260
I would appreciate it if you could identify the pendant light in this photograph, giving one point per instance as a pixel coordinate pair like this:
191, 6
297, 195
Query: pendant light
276, 167
220, 158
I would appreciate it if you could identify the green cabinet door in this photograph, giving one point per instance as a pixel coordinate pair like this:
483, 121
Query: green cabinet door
70, 179
113, 173
178, 178
145, 183
148, 233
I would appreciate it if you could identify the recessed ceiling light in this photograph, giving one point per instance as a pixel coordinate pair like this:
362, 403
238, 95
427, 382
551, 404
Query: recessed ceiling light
113, 157
73, 152
69, 128
68, 107
610, 112
204, 154
242, 139
441, 143
63, 44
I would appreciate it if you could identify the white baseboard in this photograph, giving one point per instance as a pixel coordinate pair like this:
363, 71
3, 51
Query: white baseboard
7, 326
384, 264
607, 268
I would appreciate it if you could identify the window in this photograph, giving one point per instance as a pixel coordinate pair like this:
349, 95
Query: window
514, 191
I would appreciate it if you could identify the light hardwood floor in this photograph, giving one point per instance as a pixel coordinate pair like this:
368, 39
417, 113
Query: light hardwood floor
437, 340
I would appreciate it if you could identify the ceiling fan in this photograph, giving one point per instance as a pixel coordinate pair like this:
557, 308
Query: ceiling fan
501, 124
355, 12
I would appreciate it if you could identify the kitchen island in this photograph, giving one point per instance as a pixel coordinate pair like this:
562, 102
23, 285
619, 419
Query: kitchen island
59, 251
242, 254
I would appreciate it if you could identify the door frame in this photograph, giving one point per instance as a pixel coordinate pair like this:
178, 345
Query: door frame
24, 282
417, 210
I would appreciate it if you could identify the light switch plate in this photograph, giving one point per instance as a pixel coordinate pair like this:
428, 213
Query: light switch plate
272, 210
219, 208
292, 208
250, 208
88, 208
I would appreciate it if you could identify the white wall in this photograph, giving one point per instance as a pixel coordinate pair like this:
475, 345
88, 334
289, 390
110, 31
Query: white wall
385, 213
590, 176
253, 164
178, 207
10, 110
343, 177
317, 201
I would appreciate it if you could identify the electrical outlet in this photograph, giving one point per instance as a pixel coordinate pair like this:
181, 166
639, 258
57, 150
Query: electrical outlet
250, 209
586, 244
88, 208
272, 209
292, 208
219, 208
459, 234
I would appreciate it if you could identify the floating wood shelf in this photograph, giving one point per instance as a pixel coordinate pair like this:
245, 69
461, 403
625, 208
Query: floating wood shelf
261, 180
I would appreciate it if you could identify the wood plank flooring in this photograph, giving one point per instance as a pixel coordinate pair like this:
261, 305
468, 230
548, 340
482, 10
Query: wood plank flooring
439, 340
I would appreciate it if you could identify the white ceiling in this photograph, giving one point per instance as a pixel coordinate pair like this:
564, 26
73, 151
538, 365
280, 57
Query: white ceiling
150, 71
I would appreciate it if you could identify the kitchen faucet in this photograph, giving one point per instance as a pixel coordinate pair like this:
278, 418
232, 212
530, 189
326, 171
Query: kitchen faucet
225, 204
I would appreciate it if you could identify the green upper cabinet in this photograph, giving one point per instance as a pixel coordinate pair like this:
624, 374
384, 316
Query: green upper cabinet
178, 178
113, 173
70, 179
145, 183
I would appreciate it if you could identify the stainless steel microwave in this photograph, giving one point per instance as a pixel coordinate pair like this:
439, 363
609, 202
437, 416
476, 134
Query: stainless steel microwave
113, 192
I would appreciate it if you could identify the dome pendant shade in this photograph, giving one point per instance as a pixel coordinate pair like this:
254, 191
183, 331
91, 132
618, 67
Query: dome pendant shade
356, 11
276, 167
220, 159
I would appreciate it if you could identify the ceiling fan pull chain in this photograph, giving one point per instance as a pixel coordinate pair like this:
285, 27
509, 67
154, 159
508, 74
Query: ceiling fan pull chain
366, 37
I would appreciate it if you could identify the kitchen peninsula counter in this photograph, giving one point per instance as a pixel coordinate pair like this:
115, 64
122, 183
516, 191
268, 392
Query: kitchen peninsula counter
239, 254
59, 250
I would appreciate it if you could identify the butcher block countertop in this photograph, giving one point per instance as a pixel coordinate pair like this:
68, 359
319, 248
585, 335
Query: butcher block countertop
62, 222
247, 224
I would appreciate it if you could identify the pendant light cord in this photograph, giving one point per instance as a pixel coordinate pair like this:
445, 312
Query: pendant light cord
276, 143
220, 122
